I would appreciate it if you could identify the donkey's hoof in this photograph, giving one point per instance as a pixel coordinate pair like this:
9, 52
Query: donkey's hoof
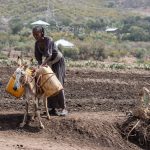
48, 117
42, 126
33, 118
22, 125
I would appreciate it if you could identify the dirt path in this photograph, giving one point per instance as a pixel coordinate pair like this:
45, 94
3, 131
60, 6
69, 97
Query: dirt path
10, 142
17, 142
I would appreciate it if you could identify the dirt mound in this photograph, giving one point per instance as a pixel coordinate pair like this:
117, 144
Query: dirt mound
136, 127
95, 130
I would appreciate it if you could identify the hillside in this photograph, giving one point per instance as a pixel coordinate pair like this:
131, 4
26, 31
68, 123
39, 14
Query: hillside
134, 4
83, 23
72, 11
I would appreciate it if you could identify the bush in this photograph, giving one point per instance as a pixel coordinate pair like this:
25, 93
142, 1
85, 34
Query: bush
25, 32
72, 53
2, 56
117, 66
15, 25
139, 53
91, 50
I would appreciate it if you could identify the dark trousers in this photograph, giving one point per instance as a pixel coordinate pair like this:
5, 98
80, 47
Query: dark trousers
58, 101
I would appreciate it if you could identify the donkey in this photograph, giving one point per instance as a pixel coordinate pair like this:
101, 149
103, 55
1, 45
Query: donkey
32, 92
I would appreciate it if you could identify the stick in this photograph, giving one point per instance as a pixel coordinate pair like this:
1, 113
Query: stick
133, 128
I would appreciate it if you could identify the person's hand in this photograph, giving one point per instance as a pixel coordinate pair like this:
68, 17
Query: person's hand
33, 69
42, 65
39, 66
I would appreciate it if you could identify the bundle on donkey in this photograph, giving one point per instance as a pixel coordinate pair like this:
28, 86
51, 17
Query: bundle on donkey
31, 79
136, 127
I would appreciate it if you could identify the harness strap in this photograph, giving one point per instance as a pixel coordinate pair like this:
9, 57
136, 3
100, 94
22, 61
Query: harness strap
40, 78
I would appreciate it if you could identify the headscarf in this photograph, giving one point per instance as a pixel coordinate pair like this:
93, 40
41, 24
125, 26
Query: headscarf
38, 29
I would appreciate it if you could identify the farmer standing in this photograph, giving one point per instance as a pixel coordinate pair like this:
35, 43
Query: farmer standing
45, 47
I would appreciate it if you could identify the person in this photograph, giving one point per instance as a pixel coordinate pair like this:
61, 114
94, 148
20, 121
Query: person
46, 48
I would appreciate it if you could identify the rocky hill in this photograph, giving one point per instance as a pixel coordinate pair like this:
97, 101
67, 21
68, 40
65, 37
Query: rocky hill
58, 10
134, 3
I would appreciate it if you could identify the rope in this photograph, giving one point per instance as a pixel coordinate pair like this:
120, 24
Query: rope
40, 78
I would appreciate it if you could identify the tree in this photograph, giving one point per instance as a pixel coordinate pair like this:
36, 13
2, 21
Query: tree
15, 25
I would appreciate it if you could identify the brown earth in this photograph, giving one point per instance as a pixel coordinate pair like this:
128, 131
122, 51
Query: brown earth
96, 100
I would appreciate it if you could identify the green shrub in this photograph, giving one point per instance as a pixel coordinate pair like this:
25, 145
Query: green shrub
93, 49
15, 25
25, 32
139, 53
72, 53
2, 56
117, 66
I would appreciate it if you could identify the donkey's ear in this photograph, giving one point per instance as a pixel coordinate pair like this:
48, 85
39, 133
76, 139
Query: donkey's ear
31, 61
19, 61
27, 63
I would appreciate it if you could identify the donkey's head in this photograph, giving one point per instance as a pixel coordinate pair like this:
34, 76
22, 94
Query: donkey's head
22, 74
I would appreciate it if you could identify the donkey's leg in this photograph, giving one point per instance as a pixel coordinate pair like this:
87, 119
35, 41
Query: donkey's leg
46, 108
34, 112
25, 115
38, 114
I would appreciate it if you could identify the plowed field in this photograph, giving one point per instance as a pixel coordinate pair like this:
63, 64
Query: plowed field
96, 100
